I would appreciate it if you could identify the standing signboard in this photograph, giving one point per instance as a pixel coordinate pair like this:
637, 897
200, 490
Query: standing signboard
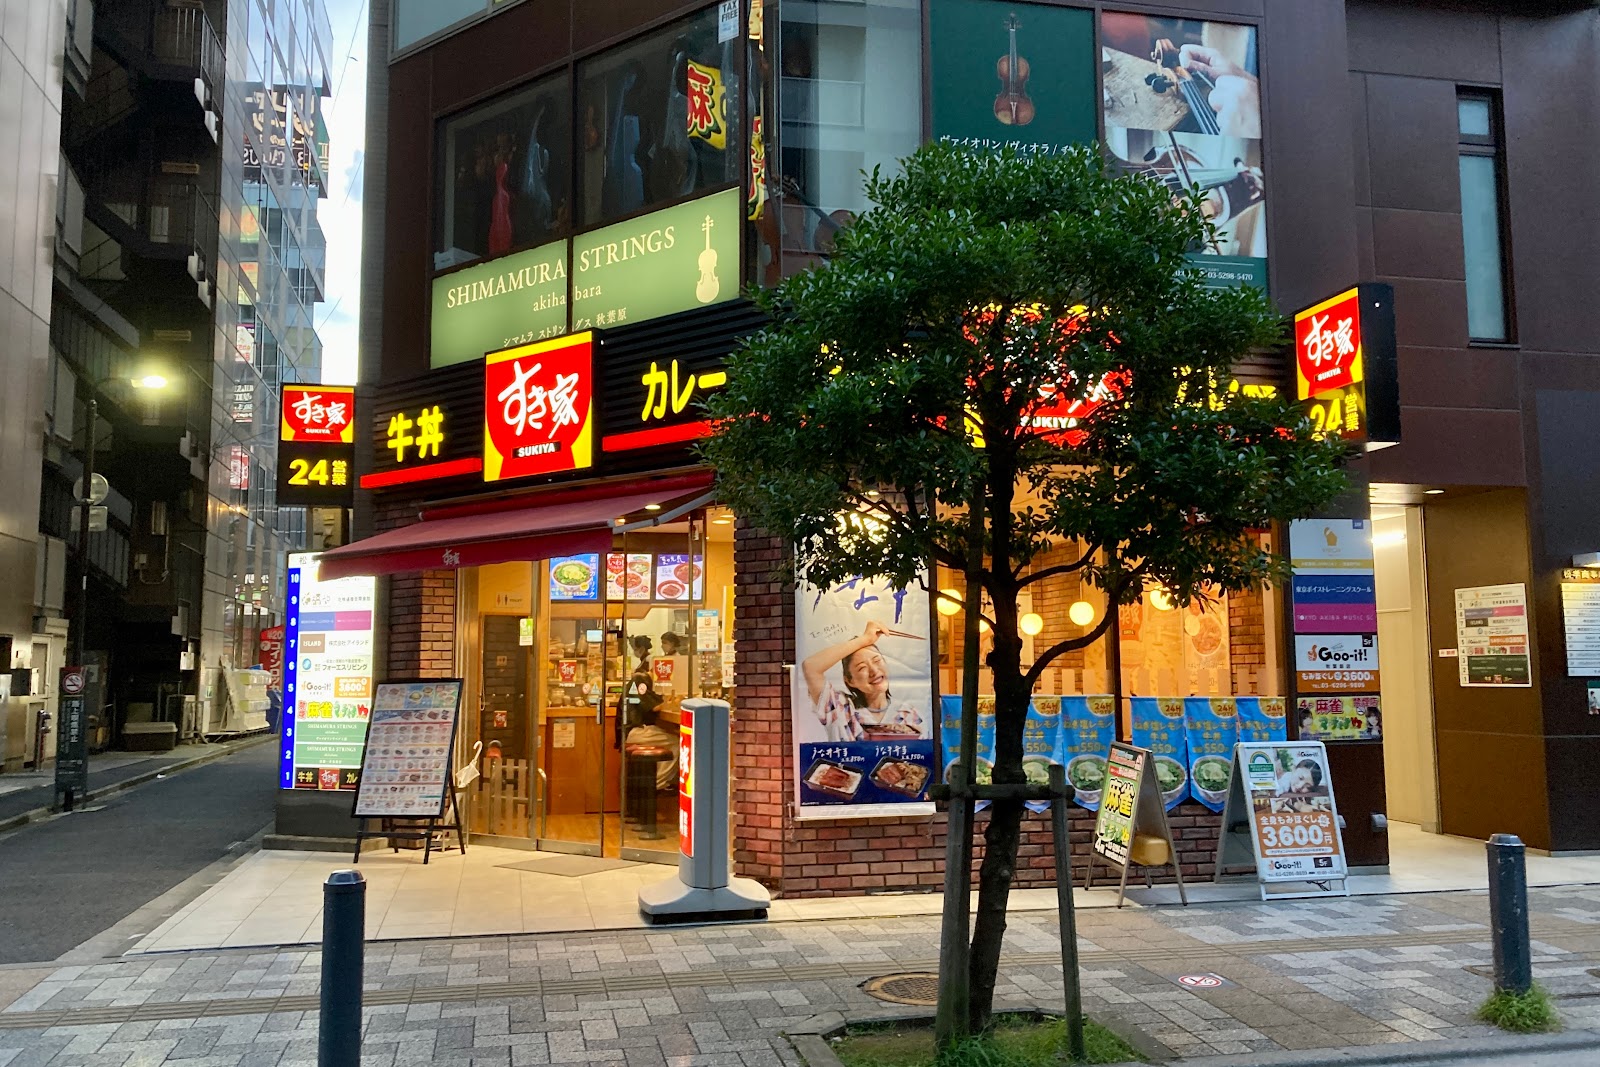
405, 769
327, 677
1280, 817
863, 700
72, 736
1492, 636
1131, 826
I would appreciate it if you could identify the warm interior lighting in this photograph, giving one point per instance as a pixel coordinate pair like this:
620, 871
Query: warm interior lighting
1081, 613
1031, 624
652, 507
949, 602
983, 626
1389, 538
1432, 492
722, 522
150, 381
1191, 625
1160, 599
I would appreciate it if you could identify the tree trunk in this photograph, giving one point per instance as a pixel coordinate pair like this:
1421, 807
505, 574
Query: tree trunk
1001, 840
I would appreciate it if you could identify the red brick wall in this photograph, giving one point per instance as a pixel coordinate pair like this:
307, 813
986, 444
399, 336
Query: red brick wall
420, 607
818, 858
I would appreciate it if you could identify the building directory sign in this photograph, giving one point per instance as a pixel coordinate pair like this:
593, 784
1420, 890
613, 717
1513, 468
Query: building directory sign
1492, 647
405, 772
327, 678
1335, 621
1580, 616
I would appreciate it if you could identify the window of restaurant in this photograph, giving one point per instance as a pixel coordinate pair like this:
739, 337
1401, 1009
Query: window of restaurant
658, 120
504, 175
577, 669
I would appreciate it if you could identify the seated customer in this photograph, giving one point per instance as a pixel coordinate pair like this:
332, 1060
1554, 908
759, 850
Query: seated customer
649, 734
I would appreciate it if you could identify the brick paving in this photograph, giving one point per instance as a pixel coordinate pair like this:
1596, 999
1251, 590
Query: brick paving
1302, 975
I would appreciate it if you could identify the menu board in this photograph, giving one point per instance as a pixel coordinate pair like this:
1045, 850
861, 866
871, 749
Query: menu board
575, 577
1580, 615
679, 579
628, 576
327, 678
406, 773
1492, 636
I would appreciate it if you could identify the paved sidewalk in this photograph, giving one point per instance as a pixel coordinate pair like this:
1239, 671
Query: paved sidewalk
25, 793
1299, 975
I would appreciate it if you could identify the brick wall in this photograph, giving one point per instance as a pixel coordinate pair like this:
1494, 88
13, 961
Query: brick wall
420, 608
819, 858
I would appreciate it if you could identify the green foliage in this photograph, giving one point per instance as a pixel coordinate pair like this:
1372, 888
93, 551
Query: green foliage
1013, 1042
1521, 1013
978, 283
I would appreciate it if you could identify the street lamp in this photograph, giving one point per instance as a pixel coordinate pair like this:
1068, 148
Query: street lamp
86, 499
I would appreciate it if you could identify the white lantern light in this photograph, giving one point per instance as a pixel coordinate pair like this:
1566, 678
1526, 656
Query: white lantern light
1081, 613
1031, 624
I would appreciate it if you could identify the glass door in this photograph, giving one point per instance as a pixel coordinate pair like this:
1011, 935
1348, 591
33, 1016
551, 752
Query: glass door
507, 791
577, 727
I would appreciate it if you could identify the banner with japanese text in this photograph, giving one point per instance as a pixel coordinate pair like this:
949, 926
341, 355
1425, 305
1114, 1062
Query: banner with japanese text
1159, 725
1212, 729
862, 700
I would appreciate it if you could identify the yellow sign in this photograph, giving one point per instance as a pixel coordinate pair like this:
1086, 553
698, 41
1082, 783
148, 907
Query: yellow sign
669, 393
428, 438
334, 472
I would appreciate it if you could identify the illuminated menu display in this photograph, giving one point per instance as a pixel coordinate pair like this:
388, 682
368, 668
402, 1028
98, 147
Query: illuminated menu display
327, 687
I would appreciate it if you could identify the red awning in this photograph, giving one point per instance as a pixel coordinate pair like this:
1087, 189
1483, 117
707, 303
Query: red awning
560, 526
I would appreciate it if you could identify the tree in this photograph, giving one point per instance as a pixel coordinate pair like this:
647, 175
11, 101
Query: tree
1008, 353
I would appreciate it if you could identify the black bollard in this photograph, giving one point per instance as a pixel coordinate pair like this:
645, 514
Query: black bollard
1508, 913
344, 939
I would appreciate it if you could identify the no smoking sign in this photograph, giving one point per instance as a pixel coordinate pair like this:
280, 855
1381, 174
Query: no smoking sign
1202, 981
73, 681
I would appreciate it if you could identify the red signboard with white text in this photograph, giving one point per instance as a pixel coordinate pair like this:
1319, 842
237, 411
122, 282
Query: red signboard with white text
686, 782
538, 408
319, 413
1327, 345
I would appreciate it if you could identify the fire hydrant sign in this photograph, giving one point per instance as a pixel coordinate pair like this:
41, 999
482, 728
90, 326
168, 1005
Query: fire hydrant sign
1285, 793
686, 782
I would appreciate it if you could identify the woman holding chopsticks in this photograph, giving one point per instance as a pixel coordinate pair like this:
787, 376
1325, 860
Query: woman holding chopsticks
863, 708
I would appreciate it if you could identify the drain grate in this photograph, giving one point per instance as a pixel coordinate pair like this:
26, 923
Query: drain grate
915, 988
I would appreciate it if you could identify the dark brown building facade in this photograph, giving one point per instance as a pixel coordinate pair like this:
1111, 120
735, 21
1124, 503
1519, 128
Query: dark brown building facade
1440, 148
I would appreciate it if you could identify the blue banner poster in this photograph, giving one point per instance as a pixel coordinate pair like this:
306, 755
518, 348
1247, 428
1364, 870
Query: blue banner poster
862, 700
1088, 726
1262, 719
1213, 730
1041, 744
950, 739
1158, 725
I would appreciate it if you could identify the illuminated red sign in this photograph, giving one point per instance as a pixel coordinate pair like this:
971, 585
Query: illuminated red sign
538, 408
686, 782
321, 414
1058, 419
1327, 345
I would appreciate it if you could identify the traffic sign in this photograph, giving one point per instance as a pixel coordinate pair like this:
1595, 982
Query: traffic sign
73, 681
99, 489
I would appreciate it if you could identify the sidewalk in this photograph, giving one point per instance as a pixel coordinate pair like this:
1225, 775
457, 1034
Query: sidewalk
1389, 970
24, 795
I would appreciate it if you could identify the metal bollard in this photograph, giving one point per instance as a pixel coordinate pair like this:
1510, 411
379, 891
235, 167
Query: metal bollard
344, 939
1508, 913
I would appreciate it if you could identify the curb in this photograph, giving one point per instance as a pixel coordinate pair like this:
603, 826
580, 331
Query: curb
1462, 1051
219, 751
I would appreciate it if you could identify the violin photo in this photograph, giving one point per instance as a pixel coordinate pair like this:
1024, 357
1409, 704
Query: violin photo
1013, 107
1180, 75
1226, 170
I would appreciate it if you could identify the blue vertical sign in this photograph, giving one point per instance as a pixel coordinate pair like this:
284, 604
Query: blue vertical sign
1158, 725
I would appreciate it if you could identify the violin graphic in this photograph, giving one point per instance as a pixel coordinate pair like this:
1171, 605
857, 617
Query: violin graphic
1012, 106
707, 287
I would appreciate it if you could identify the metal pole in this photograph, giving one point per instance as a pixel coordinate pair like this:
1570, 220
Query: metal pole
344, 932
1508, 913
1068, 918
83, 530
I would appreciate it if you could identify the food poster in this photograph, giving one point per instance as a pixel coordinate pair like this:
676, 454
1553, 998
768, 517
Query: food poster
1205, 638
1492, 636
862, 700
1113, 824
1293, 823
679, 579
1044, 59
1158, 725
1212, 728
1261, 719
1182, 106
1088, 726
1152, 650
1339, 718
575, 577
409, 745
628, 576
1041, 744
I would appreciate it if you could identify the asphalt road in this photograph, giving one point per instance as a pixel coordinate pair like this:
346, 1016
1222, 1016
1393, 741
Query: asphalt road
64, 880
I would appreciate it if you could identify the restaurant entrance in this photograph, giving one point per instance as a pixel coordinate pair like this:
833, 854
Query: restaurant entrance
577, 667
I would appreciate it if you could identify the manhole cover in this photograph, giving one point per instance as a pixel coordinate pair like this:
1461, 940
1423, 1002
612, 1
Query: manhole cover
916, 988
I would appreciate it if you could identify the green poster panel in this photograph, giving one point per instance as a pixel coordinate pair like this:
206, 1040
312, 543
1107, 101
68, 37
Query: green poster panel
509, 301
1047, 103
671, 260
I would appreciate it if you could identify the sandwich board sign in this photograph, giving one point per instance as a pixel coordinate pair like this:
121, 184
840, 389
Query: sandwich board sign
1131, 826
1280, 818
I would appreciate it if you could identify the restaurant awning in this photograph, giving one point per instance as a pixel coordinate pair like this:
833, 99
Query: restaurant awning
559, 523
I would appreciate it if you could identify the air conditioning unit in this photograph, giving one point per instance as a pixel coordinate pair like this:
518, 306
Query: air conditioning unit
158, 518
213, 125
197, 268
202, 289
202, 92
